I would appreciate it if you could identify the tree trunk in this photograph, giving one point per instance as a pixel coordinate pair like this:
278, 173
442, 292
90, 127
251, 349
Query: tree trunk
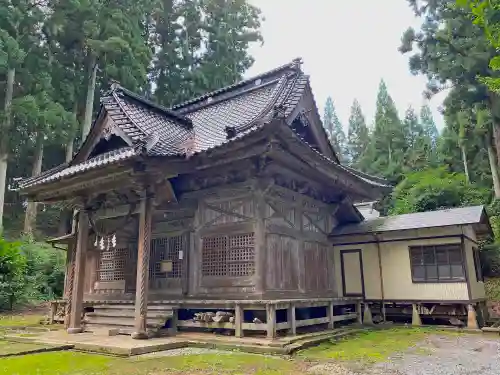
89, 102
66, 214
495, 109
4, 140
494, 170
466, 167
30, 216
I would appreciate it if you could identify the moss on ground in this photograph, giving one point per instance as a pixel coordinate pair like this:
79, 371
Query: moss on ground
73, 363
20, 320
368, 347
7, 347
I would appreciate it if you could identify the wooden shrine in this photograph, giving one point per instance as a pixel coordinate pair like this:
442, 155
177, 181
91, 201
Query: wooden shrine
213, 214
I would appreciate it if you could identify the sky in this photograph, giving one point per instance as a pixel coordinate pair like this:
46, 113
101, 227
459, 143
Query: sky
347, 47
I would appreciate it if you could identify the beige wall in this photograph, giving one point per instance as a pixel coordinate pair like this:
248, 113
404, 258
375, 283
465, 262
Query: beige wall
395, 259
476, 287
370, 269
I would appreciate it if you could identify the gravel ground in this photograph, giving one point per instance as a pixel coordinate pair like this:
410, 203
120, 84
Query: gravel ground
445, 355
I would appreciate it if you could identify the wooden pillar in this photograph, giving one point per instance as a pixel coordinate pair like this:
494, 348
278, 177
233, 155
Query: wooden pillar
142, 277
471, 317
238, 321
367, 315
76, 308
53, 311
292, 320
174, 321
331, 323
260, 242
415, 317
271, 320
70, 276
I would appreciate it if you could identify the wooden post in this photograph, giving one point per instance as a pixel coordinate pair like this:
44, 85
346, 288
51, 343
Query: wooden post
359, 310
367, 316
471, 317
271, 320
331, 324
415, 318
174, 321
292, 320
76, 307
238, 321
53, 311
142, 278
260, 242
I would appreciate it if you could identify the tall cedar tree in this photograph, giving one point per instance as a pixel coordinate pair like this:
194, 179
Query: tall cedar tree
388, 143
451, 50
357, 135
69, 52
334, 129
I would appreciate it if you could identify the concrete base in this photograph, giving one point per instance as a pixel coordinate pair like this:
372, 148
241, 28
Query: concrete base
126, 346
140, 336
472, 317
367, 315
72, 331
415, 317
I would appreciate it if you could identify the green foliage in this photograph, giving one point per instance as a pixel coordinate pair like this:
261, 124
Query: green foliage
485, 14
29, 272
357, 136
12, 273
44, 271
433, 189
334, 130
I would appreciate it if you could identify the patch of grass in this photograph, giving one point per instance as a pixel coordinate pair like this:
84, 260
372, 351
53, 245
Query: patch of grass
56, 363
369, 347
72, 363
20, 320
8, 347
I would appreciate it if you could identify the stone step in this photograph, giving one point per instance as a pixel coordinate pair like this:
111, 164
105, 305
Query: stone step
111, 330
123, 322
131, 306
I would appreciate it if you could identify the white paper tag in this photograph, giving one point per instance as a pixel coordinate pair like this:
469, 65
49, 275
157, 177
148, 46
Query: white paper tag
181, 255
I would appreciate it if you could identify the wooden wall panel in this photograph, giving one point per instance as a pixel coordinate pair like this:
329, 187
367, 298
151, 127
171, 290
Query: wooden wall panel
281, 262
316, 267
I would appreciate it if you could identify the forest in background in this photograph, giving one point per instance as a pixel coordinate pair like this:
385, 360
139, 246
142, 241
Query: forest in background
58, 56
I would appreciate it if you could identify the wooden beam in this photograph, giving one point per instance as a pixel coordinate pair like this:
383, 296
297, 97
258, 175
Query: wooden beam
75, 319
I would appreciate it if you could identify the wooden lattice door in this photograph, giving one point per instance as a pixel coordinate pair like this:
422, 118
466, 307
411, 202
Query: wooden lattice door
168, 264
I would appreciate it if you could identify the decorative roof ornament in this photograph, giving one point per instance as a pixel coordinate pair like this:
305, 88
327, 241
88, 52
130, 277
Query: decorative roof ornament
230, 132
279, 112
297, 64
189, 145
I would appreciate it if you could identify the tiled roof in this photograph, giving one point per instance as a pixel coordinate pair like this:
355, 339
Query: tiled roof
194, 126
420, 220
66, 171
140, 121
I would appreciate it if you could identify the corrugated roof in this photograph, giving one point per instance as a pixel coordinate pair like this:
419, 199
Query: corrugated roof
451, 216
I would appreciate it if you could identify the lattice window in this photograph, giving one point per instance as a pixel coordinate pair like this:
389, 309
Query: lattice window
112, 264
171, 250
228, 255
